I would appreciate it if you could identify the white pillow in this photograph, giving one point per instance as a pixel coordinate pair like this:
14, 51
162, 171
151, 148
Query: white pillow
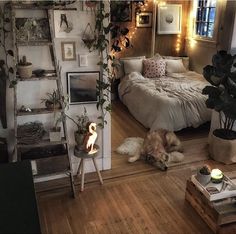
175, 66
185, 60
120, 69
133, 65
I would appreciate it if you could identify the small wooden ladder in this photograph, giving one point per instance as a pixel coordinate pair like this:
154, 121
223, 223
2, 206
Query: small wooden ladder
64, 160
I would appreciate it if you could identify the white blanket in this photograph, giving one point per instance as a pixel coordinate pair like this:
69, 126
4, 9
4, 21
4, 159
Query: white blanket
173, 103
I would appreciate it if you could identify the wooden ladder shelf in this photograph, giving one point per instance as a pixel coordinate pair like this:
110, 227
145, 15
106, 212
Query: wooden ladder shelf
64, 160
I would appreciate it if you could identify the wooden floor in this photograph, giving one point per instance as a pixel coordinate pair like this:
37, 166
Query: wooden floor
137, 199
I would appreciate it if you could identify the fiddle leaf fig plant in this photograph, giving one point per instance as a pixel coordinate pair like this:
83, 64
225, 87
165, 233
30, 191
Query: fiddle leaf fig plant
222, 92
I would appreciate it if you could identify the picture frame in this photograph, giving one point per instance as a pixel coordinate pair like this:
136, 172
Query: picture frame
68, 51
144, 20
121, 11
82, 87
65, 24
169, 19
83, 60
32, 29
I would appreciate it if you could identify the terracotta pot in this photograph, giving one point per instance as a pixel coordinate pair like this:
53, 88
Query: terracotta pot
222, 150
55, 134
25, 71
79, 138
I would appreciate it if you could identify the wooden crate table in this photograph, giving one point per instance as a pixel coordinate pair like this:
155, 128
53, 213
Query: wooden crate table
84, 155
220, 216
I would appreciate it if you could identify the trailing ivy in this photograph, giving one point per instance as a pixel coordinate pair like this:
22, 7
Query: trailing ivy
6, 71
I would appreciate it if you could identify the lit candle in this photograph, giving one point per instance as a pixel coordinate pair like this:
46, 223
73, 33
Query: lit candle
216, 175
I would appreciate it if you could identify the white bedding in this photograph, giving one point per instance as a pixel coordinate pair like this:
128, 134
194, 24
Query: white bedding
173, 103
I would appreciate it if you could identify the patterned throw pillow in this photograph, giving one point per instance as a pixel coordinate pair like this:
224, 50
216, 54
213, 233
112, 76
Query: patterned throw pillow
154, 68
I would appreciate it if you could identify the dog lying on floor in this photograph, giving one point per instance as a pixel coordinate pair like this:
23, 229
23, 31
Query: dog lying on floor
159, 148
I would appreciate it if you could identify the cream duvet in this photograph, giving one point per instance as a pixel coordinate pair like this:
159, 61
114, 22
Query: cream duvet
172, 102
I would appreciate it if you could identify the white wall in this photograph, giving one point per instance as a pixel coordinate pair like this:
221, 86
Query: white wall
29, 93
233, 42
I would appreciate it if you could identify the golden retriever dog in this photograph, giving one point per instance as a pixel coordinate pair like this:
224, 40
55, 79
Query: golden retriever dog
160, 147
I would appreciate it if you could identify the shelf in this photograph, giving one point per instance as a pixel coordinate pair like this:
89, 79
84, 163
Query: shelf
34, 78
34, 43
31, 6
42, 143
37, 111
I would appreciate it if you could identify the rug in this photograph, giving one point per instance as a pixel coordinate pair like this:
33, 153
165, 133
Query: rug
195, 150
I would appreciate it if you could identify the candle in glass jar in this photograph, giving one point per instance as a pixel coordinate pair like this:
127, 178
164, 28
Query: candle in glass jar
216, 175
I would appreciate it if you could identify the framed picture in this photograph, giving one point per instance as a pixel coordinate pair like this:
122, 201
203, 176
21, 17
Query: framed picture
81, 87
169, 19
83, 60
65, 24
32, 29
121, 11
144, 20
68, 51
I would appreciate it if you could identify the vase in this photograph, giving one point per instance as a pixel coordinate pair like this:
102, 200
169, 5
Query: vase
202, 178
25, 71
79, 138
55, 134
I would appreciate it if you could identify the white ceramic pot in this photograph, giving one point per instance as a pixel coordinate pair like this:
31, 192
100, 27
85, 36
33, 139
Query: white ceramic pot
203, 179
55, 134
24, 71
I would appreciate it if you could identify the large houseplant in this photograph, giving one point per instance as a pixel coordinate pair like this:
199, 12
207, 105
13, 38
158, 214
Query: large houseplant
222, 98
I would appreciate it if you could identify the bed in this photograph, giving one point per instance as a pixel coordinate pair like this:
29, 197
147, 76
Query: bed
171, 102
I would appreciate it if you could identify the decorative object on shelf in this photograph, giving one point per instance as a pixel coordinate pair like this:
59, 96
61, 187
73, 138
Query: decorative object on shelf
30, 133
24, 68
32, 29
81, 87
222, 98
81, 123
65, 24
68, 51
144, 20
53, 101
121, 11
39, 72
169, 19
89, 5
52, 3
25, 109
89, 37
90, 138
216, 175
204, 175
83, 60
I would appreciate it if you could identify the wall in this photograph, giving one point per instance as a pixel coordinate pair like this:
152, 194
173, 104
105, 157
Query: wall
29, 93
201, 52
233, 41
166, 44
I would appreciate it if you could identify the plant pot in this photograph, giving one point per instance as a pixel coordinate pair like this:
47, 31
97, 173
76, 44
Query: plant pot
222, 150
203, 179
25, 71
55, 134
51, 106
79, 138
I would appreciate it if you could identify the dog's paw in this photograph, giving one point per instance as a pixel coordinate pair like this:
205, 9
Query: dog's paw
133, 158
176, 157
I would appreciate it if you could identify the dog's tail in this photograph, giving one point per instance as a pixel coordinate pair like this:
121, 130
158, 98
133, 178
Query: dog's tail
176, 157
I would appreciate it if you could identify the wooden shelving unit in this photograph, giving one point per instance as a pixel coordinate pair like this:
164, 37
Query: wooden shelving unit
51, 164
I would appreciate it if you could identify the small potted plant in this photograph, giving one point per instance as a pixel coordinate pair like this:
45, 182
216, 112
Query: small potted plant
53, 101
81, 123
24, 68
204, 175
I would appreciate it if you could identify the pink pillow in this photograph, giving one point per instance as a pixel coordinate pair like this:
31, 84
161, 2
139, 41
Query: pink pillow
154, 68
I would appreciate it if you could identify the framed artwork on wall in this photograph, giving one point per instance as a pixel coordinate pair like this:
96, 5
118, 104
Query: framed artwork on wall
83, 60
81, 87
65, 24
121, 11
144, 20
169, 19
68, 51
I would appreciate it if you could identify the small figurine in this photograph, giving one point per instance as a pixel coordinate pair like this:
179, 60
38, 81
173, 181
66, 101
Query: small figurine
90, 138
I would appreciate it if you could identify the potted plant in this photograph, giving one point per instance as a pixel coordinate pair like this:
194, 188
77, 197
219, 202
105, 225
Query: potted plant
24, 68
222, 98
204, 174
81, 123
53, 101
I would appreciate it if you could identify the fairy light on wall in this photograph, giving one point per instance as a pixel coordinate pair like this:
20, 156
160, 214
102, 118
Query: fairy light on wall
178, 43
